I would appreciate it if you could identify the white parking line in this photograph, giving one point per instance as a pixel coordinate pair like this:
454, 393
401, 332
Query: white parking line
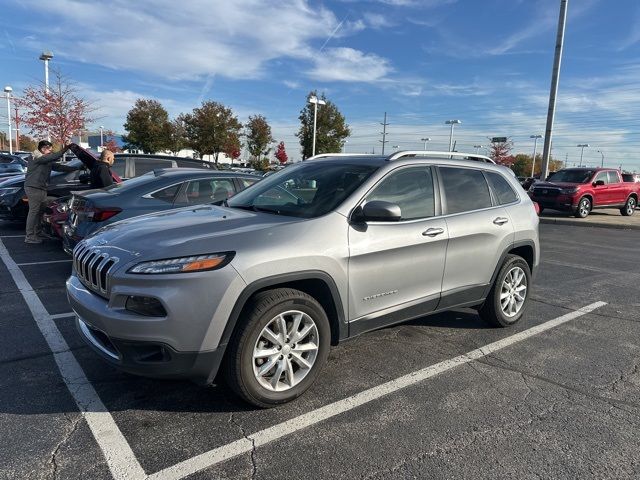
268, 435
120, 458
44, 263
11, 236
62, 315
118, 453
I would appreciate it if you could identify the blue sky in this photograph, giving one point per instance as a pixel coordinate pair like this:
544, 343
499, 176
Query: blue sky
487, 63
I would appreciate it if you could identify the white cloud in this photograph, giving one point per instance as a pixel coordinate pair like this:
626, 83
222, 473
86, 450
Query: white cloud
376, 20
349, 65
198, 38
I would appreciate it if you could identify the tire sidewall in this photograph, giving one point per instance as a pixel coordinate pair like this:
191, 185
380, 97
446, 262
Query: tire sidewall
256, 391
509, 264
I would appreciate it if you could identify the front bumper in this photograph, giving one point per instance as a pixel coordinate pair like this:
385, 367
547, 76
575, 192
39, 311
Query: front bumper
561, 202
150, 359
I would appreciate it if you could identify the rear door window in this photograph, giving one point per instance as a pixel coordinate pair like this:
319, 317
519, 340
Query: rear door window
144, 165
167, 194
465, 189
613, 177
501, 188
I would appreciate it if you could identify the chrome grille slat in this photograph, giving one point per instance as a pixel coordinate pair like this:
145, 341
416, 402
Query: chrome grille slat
92, 267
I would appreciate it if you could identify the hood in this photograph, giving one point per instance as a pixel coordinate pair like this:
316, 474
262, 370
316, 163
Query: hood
12, 180
86, 157
184, 231
556, 184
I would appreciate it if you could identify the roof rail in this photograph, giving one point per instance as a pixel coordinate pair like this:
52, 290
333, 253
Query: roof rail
325, 155
429, 153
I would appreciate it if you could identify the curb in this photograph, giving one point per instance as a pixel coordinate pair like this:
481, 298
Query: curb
582, 223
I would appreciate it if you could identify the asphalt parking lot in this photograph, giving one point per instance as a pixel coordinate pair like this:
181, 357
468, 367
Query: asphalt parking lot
444, 396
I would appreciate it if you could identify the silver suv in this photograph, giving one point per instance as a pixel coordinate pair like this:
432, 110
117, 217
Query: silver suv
260, 287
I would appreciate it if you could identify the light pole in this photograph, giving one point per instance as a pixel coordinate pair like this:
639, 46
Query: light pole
316, 101
344, 146
477, 147
45, 57
8, 91
535, 145
452, 123
101, 137
602, 161
425, 140
582, 145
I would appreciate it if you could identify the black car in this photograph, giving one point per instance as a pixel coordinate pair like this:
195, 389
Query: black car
11, 165
13, 200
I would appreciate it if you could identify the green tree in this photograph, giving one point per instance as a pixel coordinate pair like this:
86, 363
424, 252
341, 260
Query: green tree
177, 135
211, 128
258, 135
147, 127
331, 129
522, 165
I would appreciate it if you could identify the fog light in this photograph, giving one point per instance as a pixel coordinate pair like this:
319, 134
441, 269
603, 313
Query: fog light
147, 306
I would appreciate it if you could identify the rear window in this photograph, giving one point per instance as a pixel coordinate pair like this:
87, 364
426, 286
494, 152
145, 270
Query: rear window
465, 189
501, 188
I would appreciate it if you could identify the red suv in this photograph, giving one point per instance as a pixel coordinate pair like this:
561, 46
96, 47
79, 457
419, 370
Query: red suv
580, 190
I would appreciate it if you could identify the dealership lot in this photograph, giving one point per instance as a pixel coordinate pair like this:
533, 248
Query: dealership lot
563, 402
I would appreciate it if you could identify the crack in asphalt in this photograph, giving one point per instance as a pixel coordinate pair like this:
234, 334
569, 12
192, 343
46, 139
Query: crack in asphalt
52, 458
254, 466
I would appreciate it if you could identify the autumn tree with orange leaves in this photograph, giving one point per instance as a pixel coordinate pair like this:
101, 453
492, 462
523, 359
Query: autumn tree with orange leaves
60, 112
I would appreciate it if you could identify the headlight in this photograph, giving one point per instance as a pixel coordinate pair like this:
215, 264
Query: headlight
568, 191
63, 207
197, 263
9, 191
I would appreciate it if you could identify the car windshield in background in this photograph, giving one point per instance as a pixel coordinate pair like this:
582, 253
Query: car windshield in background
306, 190
571, 176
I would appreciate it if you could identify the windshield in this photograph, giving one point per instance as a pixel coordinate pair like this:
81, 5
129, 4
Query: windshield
306, 190
571, 176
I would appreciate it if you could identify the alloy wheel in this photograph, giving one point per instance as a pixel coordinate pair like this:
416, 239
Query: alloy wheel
285, 351
631, 206
513, 292
584, 207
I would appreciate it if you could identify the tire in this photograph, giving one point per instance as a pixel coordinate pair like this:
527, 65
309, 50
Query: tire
629, 207
287, 358
493, 311
584, 208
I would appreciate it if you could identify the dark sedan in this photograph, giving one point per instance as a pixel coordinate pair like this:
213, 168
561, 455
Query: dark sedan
158, 190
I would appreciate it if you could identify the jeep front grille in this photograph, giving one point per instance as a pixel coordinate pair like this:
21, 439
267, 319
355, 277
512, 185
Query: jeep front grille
92, 268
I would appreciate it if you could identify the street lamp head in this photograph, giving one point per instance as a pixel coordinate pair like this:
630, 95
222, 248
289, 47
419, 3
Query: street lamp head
8, 89
582, 145
46, 56
535, 136
427, 139
101, 126
452, 122
477, 146
315, 99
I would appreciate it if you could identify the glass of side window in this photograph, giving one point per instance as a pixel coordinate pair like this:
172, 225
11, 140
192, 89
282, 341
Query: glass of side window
465, 189
501, 188
411, 189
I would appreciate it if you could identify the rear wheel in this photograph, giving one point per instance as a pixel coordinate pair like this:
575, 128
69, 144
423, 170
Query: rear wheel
629, 207
509, 294
584, 208
277, 353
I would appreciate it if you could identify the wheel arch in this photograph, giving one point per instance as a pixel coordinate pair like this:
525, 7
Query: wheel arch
525, 249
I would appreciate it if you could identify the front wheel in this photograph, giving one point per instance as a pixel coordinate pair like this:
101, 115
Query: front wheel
584, 208
629, 207
509, 294
279, 349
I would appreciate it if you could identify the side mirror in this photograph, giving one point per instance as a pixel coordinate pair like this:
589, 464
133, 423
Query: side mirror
84, 178
598, 183
379, 211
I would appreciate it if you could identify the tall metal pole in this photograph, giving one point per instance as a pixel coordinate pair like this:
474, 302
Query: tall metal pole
535, 147
8, 90
581, 153
451, 138
555, 78
315, 118
602, 161
384, 132
17, 128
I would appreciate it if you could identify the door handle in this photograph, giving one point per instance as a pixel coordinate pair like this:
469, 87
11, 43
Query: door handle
432, 232
500, 220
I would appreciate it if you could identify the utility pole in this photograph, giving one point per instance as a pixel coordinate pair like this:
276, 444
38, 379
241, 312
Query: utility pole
555, 78
384, 132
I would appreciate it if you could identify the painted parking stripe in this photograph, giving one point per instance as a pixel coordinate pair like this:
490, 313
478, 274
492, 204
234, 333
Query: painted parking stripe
11, 236
62, 315
268, 435
66, 260
118, 454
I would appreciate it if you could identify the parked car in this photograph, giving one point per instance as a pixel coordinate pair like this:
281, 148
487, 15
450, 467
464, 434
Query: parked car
155, 191
55, 216
321, 251
11, 165
13, 200
580, 190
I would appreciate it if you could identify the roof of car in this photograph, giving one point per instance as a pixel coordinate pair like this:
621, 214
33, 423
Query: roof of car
183, 171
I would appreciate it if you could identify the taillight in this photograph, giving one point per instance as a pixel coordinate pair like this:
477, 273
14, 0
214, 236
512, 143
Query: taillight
102, 214
536, 208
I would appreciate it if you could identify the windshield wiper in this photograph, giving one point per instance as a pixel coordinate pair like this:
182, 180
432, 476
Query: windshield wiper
254, 208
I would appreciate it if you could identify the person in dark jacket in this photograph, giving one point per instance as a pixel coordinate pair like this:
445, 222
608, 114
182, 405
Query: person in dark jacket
35, 185
100, 176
